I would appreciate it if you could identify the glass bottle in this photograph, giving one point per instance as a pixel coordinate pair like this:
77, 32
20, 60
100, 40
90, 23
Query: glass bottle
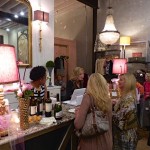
39, 105
48, 106
58, 111
33, 106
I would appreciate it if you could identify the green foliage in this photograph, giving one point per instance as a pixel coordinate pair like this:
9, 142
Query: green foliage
50, 63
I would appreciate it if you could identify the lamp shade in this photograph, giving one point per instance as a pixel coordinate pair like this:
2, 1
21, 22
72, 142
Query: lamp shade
109, 34
41, 16
8, 65
125, 40
119, 66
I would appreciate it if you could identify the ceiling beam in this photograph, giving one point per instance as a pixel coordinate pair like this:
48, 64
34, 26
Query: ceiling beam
91, 3
20, 19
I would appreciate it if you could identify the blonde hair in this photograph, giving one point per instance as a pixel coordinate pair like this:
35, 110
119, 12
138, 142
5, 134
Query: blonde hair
97, 87
76, 72
130, 85
147, 75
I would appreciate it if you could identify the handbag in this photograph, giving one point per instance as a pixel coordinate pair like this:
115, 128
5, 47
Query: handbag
96, 123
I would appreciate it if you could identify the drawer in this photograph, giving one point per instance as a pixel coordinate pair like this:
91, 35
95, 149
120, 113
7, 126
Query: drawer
54, 92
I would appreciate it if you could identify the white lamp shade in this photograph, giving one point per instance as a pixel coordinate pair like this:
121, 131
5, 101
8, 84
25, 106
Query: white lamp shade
8, 65
119, 66
109, 35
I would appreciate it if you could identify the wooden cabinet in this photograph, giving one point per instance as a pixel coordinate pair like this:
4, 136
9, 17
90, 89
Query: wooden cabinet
54, 90
13, 101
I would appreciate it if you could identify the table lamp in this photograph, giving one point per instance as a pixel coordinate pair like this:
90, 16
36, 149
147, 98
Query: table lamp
124, 41
8, 71
119, 67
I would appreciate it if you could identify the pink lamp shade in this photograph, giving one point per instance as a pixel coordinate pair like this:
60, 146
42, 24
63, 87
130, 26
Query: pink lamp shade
41, 16
8, 65
119, 66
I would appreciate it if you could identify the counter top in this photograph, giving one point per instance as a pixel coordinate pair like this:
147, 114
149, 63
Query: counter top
39, 129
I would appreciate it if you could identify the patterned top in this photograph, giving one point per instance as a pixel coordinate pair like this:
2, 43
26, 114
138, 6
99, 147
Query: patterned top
40, 92
125, 120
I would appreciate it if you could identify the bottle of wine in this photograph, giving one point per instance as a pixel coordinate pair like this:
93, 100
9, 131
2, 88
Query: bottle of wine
57, 97
58, 111
33, 106
39, 105
48, 106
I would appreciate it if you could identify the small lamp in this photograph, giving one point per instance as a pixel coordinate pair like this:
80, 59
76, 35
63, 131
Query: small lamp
42, 17
124, 40
119, 66
8, 70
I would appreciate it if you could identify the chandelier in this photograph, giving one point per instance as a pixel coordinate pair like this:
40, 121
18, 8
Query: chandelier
109, 34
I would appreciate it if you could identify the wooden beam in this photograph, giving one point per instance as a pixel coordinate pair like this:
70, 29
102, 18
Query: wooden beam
91, 3
21, 20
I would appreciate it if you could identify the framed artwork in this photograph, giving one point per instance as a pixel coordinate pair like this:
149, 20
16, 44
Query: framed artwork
22, 47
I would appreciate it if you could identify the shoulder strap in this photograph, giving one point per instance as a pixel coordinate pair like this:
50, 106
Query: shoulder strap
93, 113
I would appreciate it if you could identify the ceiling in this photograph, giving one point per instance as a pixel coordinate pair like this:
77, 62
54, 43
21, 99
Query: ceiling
64, 6
8, 8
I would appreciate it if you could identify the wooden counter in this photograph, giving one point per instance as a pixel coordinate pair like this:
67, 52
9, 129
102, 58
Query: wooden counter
58, 136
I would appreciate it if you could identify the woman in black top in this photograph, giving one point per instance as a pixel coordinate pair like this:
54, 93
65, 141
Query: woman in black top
75, 82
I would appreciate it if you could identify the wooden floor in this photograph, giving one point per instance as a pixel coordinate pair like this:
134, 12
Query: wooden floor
142, 144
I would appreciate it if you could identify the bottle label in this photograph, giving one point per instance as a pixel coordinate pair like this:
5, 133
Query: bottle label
59, 114
33, 110
48, 107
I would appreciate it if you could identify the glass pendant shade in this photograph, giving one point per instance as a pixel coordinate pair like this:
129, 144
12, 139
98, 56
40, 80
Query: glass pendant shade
109, 35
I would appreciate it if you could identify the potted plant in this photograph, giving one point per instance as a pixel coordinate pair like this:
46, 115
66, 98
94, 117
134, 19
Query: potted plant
50, 65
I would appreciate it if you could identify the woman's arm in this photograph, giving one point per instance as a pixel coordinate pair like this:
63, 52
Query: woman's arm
125, 118
81, 113
69, 89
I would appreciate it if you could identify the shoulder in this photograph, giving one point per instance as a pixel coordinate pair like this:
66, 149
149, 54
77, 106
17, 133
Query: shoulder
87, 99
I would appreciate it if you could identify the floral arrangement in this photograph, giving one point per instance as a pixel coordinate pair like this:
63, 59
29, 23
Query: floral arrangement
25, 90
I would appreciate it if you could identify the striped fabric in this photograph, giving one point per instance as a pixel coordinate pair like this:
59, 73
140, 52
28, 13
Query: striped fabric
40, 92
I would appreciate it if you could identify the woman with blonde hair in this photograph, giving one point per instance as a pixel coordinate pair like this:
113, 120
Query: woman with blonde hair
97, 94
75, 82
125, 121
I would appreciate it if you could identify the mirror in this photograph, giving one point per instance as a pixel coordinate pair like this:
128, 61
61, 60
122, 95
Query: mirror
16, 29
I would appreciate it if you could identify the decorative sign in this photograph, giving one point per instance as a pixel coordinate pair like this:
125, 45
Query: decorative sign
138, 54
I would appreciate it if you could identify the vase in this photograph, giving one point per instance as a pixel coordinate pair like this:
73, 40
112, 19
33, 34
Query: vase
50, 69
24, 113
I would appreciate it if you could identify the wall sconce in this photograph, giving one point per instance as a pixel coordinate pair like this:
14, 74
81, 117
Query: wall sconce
119, 66
124, 40
42, 17
8, 71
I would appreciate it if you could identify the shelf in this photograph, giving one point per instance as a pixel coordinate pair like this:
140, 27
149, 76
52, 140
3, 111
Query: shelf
138, 62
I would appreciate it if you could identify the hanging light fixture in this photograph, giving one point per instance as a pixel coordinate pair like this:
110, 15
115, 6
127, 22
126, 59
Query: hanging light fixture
109, 34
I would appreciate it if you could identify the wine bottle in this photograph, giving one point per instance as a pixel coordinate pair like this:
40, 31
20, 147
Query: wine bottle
58, 111
39, 105
33, 106
48, 106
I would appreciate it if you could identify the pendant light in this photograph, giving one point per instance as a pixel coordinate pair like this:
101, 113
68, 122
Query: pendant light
109, 34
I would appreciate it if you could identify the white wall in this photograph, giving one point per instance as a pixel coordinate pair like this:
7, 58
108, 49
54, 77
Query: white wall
77, 25
47, 53
5, 34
